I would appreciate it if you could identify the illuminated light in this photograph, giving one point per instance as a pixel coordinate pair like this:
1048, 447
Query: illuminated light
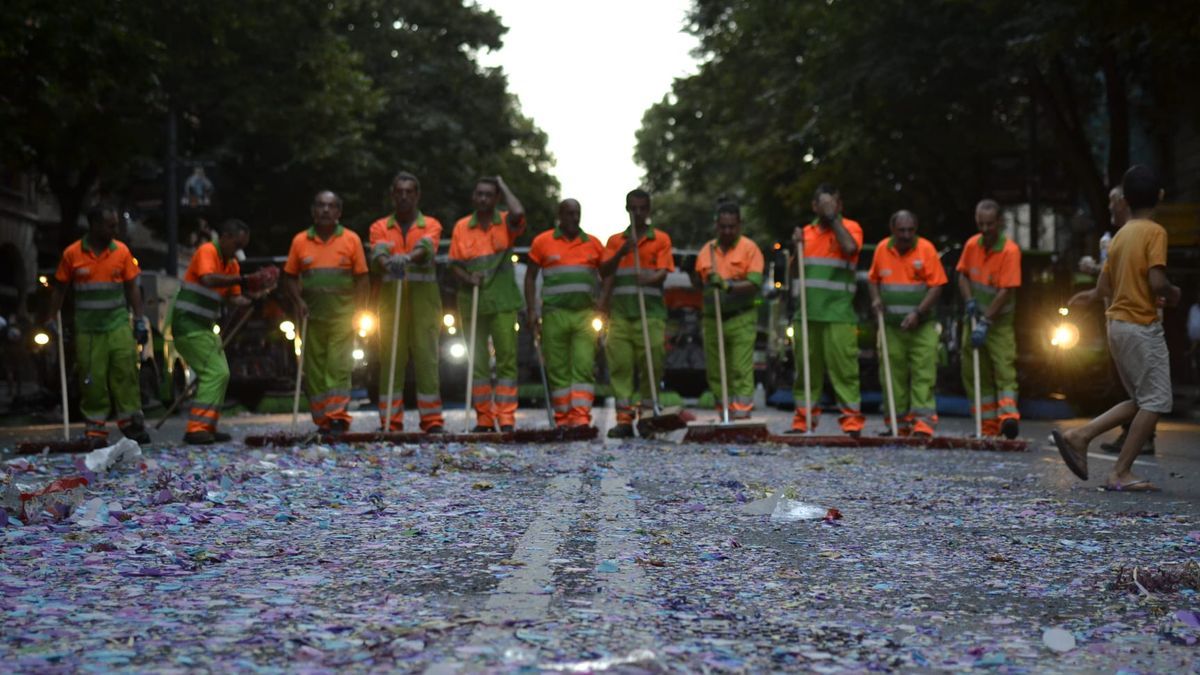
791, 331
366, 323
458, 350
1063, 311
216, 329
299, 344
778, 246
287, 327
291, 335
135, 263
41, 339
778, 284
358, 354
597, 324
448, 320
515, 258
452, 330
43, 280
1064, 336
516, 328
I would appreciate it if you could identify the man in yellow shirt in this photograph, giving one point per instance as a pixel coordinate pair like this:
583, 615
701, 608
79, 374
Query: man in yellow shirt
1134, 276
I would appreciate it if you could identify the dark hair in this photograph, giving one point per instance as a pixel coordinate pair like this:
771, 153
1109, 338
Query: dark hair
488, 180
636, 193
825, 189
729, 206
96, 214
336, 197
233, 227
900, 214
404, 175
1141, 187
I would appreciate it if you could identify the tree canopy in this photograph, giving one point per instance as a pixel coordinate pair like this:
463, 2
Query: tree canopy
926, 107
280, 99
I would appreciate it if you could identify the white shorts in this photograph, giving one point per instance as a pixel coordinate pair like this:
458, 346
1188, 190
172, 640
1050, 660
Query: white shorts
1143, 363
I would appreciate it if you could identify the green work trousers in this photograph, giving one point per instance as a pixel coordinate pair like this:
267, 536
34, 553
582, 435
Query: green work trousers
833, 348
912, 355
494, 398
740, 331
328, 362
569, 347
203, 353
108, 372
997, 375
418, 339
626, 355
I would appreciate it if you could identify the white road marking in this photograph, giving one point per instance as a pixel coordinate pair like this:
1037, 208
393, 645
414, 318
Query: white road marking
1113, 458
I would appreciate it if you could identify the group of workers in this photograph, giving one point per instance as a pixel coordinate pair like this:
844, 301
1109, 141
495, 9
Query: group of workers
328, 274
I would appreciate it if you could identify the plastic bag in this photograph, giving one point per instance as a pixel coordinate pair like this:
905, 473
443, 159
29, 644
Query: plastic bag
52, 502
784, 510
124, 453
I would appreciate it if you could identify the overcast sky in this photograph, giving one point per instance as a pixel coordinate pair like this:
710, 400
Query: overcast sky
586, 71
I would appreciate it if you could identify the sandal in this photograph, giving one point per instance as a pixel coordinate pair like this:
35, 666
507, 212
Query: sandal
1070, 456
1135, 486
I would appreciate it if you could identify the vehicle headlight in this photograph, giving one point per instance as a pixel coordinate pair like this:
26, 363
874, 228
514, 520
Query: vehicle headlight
458, 350
448, 320
791, 332
41, 338
216, 329
1064, 336
286, 327
358, 354
366, 324
597, 324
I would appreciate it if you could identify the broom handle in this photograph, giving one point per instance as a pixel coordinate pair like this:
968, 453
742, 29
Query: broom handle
299, 371
62, 376
712, 251
385, 421
808, 426
887, 375
471, 356
978, 388
637, 273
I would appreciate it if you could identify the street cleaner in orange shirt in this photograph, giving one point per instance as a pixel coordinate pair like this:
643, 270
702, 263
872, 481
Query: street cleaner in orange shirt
1134, 276
481, 257
989, 274
103, 275
625, 348
569, 261
738, 273
831, 247
212, 277
326, 278
906, 280
403, 248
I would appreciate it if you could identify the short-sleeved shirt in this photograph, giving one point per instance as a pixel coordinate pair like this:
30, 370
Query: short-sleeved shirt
476, 248
829, 274
991, 269
654, 253
387, 239
197, 307
741, 262
1139, 245
98, 278
570, 268
905, 278
327, 268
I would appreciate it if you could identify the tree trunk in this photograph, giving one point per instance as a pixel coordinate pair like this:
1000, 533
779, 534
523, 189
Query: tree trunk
1072, 144
1117, 99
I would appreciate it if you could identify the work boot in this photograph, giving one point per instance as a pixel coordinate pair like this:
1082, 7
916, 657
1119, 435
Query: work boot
796, 432
506, 428
137, 433
480, 429
221, 436
1114, 448
1010, 428
854, 433
436, 429
621, 431
199, 438
335, 429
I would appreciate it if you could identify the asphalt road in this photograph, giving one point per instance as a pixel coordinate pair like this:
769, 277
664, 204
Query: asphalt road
632, 556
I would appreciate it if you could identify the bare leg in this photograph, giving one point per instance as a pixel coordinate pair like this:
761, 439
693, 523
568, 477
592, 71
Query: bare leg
1139, 431
1119, 414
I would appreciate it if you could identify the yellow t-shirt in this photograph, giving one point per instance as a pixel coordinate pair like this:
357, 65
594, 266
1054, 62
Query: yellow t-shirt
1139, 245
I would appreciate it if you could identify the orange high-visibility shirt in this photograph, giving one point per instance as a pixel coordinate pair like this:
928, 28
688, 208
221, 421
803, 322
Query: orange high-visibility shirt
98, 278
741, 261
327, 268
570, 268
207, 260
476, 248
387, 238
654, 253
990, 270
905, 278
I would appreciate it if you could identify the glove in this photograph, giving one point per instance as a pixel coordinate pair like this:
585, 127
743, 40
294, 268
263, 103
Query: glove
141, 330
395, 266
972, 308
264, 279
717, 281
979, 335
